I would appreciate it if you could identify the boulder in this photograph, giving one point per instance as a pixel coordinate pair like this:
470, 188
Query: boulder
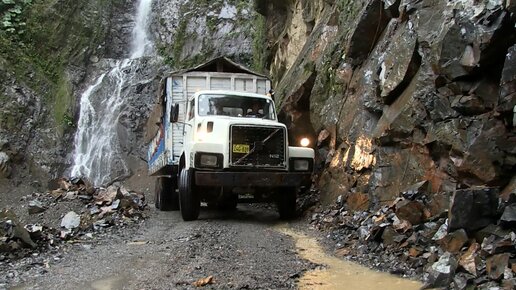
12, 229
508, 218
441, 273
400, 64
368, 29
496, 265
412, 211
71, 221
36, 206
508, 82
473, 209
453, 242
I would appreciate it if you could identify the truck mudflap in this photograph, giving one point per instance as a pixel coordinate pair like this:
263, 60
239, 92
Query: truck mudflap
250, 179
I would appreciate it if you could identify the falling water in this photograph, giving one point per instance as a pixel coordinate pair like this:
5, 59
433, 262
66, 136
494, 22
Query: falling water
97, 152
141, 44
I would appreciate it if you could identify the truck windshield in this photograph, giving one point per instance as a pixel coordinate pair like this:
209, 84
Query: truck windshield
236, 106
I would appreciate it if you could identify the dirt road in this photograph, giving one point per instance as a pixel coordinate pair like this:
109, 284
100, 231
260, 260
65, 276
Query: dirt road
249, 248
241, 250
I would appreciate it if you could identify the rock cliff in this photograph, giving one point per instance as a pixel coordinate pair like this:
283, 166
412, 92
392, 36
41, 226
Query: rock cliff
51, 52
398, 92
46, 48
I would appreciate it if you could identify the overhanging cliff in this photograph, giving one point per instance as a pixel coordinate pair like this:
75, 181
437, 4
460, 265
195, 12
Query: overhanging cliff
398, 92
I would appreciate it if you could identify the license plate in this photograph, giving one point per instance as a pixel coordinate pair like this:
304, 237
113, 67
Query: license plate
240, 148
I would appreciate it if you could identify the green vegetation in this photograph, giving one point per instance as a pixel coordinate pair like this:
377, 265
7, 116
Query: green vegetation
40, 39
12, 16
259, 43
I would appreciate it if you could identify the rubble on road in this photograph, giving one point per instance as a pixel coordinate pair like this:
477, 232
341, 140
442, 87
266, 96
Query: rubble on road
81, 209
470, 241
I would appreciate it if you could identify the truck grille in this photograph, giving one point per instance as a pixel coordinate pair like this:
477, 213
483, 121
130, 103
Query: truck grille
265, 146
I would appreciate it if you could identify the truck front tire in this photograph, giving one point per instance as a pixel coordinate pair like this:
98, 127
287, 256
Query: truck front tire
286, 201
166, 196
189, 199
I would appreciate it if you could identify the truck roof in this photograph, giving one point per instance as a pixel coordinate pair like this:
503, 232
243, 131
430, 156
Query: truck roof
219, 64
234, 93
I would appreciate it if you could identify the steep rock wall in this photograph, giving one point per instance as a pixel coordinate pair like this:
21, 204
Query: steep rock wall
56, 49
190, 32
398, 92
44, 57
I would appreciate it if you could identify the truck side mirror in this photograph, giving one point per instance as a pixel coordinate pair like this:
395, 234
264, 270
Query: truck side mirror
174, 113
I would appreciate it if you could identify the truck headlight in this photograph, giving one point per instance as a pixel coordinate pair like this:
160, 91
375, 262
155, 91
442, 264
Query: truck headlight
301, 164
304, 142
208, 160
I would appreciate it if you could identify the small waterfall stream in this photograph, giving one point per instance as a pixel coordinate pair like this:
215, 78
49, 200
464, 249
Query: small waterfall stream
97, 152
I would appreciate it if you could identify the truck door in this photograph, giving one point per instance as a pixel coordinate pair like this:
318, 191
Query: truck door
189, 129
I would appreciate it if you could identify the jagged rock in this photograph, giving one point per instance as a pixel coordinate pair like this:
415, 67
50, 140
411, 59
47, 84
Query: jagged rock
11, 228
494, 245
400, 64
470, 259
36, 206
509, 192
106, 196
35, 231
508, 82
472, 209
468, 105
391, 237
5, 167
441, 272
415, 190
441, 232
439, 204
481, 234
453, 242
358, 201
412, 211
460, 281
371, 22
71, 221
508, 218
496, 265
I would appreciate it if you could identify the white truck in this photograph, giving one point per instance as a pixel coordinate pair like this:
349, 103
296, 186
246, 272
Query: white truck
215, 137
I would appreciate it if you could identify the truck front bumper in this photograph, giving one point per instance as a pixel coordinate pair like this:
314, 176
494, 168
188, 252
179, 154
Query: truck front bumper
252, 179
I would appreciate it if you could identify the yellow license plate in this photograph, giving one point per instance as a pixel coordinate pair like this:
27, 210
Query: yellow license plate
240, 148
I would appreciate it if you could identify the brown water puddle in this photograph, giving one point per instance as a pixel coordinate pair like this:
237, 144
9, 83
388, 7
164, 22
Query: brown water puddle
340, 274
110, 283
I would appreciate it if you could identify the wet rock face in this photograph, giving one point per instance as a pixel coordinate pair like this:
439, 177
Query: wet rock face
190, 32
429, 84
38, 80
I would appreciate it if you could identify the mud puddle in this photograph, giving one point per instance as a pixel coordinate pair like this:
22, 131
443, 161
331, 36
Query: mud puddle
339, 274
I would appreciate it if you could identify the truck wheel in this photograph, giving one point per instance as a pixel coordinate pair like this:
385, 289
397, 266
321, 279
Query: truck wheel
166, 196
286, 199
189, 199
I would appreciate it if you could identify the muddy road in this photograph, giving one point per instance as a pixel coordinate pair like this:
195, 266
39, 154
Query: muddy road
250, 248
241, 250
246, 249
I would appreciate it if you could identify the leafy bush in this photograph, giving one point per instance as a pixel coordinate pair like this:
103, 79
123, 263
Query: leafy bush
11, 16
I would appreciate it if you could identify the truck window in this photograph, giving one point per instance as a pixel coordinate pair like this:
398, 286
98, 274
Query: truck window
191, 110
236, 106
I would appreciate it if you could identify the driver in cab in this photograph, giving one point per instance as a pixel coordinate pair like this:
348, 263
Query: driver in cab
254, 111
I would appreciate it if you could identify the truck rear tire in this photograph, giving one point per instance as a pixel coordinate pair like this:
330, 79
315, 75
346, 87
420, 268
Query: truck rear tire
166, 196
189, 199
286, 201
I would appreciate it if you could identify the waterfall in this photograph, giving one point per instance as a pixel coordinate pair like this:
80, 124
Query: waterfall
97, 152
141, 43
